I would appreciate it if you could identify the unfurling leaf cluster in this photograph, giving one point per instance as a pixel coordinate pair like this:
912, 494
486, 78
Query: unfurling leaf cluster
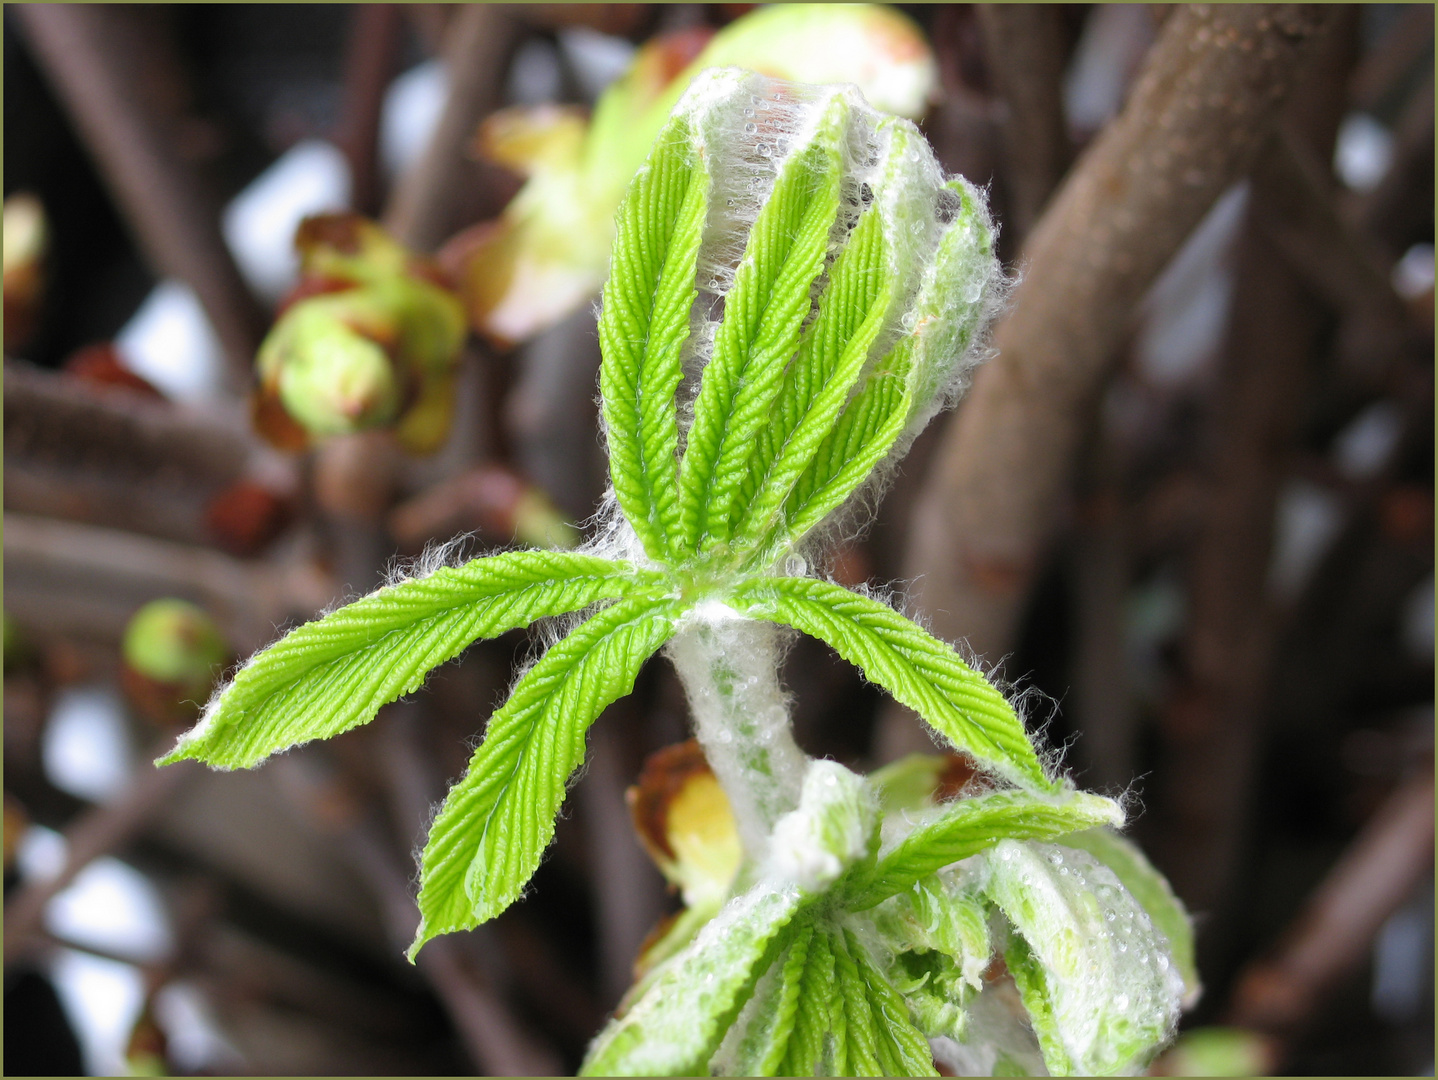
795, 288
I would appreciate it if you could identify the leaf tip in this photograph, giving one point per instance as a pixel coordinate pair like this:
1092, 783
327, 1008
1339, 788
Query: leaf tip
421, 936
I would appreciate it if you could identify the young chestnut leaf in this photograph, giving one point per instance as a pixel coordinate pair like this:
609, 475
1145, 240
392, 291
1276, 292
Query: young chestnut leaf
802, 261
487, 841
334, 673
917, 669
1095, 974
1152, 891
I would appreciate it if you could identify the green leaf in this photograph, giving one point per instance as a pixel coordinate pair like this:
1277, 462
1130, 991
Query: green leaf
966, 827
855, 1014
902, 1048
643, 327
1032, 983
853, 310
495, 824
675, 1028
815, 1044
1110, 991
936, 937
916, 668
758, 1042
764, 312
909, 384
1152, 891
333, 674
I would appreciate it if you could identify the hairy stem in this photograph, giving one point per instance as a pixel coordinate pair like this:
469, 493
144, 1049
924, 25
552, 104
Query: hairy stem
730, 672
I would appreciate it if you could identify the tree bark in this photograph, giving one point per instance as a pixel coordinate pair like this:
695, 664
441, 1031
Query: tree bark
478, 41
1200, 112
89, 52
1024, 47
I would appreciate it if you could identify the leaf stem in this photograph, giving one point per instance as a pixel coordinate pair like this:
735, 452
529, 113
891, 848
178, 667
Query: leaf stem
730, 670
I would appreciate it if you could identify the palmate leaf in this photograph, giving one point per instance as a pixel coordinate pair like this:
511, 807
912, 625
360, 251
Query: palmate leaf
916, 668
495, 824
644, 324
966, 827
764, 312
902, 1048
1152, 891
759, 1042
853, 311
334, 673
904, 388
675, 1028
1099, 982
824, 1009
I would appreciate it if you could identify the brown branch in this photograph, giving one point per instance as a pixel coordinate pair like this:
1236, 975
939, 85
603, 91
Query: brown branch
79, 579
96, 55
628, 891
1024, 49
1400, 204
371, 56
1330, 939
478, 41
1213, 726
99, 832
491, 1034
1336, 261
1198, 115
112, 457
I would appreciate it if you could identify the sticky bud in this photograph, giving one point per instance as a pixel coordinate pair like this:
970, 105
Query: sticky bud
173, 653
370, 338
333, 380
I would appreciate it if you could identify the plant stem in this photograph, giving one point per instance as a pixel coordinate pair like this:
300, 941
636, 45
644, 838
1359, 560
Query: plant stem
730, 672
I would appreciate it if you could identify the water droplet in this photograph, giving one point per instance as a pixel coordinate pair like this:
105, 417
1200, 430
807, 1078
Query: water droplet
749, 129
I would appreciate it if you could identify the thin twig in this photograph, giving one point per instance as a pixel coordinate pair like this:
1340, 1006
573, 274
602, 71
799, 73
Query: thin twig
115, 458
478, 41
371, 56
1025, 52
80, 579
91, 53
494, 1039
100, 831
1336, 930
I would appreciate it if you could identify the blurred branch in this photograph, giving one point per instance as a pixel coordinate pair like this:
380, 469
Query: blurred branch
477, 44
95, 56
1337, 928
628, 890
1213, 727
370, 59
1196, 118
99, 832
1024, 50
115, 458
1390, 61
1334, 260
491, 1034
67, 578
1404, 198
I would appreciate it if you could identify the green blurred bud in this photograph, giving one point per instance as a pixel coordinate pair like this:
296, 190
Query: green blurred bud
173, 652
1219, 1051
370, 339
332, 379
